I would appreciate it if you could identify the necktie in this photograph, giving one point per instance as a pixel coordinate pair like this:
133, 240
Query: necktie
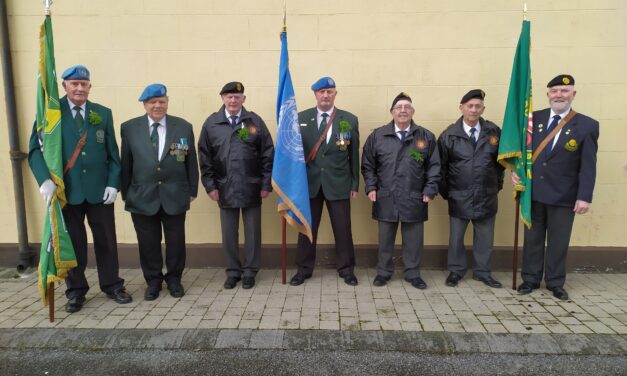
323, 123
78, 119
154, 138
233, 121
554, 122
473, 137
403, 134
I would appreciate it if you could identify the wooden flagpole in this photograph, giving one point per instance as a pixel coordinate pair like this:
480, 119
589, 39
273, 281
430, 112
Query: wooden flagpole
283, 250
51, 301
515, 253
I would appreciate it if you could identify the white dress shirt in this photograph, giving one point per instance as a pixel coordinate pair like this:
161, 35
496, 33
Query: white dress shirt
468, 127
562, 116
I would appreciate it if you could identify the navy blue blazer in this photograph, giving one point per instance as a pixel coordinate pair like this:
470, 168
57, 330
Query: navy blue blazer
568, 173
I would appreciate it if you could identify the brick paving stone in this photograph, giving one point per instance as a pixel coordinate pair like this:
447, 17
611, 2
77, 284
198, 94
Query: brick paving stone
620, 329
330, 325
495, 328
431, 325
598, 327
580, 329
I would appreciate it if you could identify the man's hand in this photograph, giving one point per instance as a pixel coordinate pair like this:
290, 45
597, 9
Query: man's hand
214, 195
264, 194
47, 190
515, 178
372, 195
426, 199
581, 207
353, 194
110, 194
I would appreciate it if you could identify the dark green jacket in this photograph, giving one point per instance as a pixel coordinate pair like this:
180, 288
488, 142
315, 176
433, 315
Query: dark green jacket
334, 170
148, 183
98, 164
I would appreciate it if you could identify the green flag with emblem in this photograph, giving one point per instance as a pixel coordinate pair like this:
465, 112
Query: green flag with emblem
515, 146
57, 253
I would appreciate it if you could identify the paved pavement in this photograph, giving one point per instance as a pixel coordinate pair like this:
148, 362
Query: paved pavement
325, 316
598, 305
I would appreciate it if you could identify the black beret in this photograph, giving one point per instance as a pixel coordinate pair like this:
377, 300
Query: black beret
472, 94
402, 96
562, 79
233, 88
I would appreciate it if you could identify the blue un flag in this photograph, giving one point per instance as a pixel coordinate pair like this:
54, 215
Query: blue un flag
289, 174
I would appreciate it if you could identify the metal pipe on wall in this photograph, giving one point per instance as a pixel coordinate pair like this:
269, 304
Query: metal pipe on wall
26, 254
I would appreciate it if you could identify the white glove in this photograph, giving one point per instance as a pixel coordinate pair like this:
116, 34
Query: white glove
47, 190
110, 194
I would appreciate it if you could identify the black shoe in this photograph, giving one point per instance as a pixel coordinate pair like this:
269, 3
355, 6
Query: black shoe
248, 283
231, 282
417, 283
74, 304
453, 279
299, 279
120, 296
488, 281
527, 287
350, 279
152, 292
380, 280
176, 290
559, 292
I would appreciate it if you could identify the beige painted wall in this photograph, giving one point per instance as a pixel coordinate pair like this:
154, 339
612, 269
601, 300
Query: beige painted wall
434, 50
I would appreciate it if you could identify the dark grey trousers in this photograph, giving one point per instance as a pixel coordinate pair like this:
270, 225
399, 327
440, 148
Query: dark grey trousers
482, 246
229, 219
552, 224
412, 234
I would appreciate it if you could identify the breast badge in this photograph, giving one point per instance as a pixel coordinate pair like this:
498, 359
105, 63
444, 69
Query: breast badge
494, 140
571, 145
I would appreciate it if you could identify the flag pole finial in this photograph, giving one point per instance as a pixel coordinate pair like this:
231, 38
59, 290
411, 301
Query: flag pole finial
47, 4
285, 16
524, 11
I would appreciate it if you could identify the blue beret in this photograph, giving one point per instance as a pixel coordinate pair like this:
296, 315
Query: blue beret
152, 91
323, 83
77, 72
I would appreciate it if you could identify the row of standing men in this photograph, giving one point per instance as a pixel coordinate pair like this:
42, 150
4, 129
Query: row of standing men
403, 165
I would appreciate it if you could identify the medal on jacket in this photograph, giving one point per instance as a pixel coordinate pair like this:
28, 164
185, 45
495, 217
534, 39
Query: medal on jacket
179, 150
343, 136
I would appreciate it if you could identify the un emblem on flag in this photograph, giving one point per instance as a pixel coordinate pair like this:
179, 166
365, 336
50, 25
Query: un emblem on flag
289, 131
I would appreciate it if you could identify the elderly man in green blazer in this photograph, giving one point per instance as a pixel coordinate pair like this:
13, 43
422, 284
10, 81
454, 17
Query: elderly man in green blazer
331, 145
159, 180
92, 178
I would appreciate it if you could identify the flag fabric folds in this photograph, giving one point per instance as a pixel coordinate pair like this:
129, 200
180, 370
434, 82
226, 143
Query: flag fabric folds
515, 149
57, 253
289, 174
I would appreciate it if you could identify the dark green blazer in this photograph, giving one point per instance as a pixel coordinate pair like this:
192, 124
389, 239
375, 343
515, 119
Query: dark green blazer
148, 183
334, 170
98, 164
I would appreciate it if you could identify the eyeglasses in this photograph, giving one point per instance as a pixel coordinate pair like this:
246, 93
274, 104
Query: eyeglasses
401, 107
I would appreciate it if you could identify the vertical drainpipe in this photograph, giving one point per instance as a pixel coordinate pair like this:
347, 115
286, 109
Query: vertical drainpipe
26, 254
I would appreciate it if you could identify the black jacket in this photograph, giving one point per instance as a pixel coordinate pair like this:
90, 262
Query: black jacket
238, 169
401, 172
471, 176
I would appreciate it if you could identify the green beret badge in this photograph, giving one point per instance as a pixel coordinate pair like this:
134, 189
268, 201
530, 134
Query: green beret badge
571, 145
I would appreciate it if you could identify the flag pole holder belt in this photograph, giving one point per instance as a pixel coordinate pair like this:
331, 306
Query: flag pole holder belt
75, 153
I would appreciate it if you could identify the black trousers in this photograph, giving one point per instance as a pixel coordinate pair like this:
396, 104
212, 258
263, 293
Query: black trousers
102, 223
149, 230
553, 225
340, 214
